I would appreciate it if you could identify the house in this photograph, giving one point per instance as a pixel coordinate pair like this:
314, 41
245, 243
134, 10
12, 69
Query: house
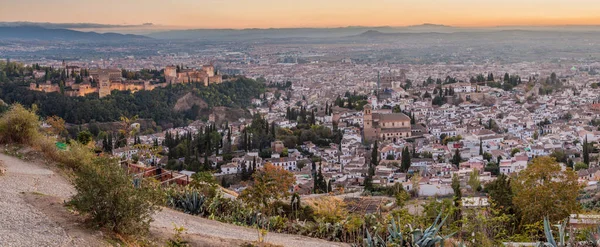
229, 168
125, 152
515, 164
287, 163
475, 202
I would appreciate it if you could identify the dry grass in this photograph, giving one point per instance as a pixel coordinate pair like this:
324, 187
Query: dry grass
19, 125
329, 208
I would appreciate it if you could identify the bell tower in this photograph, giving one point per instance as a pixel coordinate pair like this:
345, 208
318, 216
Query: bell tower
367, 116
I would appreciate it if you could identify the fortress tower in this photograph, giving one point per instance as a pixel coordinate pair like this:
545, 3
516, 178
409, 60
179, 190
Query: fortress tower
103, 84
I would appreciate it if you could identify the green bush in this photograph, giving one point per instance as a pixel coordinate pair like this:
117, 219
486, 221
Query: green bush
19, 125
107, 195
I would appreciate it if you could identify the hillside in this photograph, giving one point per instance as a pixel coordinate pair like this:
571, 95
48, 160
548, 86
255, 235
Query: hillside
159, 104
33, 214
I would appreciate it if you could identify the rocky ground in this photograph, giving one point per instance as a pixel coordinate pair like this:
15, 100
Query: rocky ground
32, 213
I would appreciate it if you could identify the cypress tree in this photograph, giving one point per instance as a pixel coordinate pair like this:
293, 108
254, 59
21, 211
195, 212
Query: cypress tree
456, 158
480, 147
374, 155
273, 131
405, 162
586, 152
105, 144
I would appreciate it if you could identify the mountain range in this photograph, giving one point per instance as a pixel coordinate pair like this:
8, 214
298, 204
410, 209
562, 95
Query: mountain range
104, 32
40, 33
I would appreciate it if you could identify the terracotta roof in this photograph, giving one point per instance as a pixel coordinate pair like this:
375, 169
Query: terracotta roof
393, 117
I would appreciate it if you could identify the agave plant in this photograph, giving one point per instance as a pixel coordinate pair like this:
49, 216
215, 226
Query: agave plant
430, 237
550, 242
594, 237
376, 241
394, 232
419, 238
190, 202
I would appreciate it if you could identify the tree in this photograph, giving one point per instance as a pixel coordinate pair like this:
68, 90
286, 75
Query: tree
514, 151
474, 180
374, 155
457, 195
57, 125
415, 180
581, 166
456, 187
401, 197
405, 162
113, 200
270, 184
500, 193
84, 137
544, 190
456, 159
586, 152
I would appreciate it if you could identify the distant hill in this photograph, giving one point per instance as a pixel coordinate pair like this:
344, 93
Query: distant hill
40, 33
430, 25
285, 33
67, 25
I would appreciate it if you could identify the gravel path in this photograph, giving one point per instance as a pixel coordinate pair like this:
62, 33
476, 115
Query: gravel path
204, 227
21, 224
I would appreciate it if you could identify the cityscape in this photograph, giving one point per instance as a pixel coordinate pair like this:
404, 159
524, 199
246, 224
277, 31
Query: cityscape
248, 132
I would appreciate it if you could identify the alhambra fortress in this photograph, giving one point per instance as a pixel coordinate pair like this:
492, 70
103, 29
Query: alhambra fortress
108, 80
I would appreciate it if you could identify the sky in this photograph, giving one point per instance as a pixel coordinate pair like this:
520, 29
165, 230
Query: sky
305, 13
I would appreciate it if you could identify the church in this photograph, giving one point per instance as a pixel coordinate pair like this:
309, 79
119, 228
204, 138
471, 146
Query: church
383, 125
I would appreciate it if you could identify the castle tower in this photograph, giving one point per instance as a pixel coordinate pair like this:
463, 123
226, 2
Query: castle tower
103, 84
171, 74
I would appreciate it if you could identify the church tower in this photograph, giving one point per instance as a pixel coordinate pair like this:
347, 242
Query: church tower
368, 116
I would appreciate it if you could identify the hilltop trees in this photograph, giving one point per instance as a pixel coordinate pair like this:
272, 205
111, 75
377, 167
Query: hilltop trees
157, 104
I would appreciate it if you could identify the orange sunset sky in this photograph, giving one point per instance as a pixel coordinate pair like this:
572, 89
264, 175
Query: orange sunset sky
305, 13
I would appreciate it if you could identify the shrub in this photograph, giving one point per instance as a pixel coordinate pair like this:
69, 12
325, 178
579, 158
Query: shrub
107, 195
76, 157
328, 208
19, 125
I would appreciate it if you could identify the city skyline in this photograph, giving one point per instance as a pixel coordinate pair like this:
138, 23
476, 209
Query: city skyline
240, 14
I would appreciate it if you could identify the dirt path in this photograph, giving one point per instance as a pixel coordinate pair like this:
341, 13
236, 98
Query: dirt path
197, 226
32, 196
22, 220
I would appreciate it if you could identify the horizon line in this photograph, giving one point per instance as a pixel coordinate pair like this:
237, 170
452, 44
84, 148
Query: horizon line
155, 25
